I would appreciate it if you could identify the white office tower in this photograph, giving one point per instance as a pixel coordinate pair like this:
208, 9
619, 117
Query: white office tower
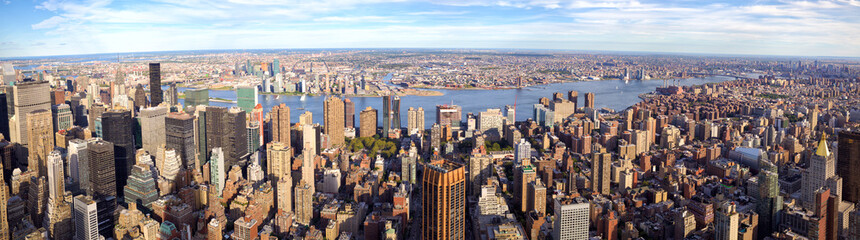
86, 219
571, 219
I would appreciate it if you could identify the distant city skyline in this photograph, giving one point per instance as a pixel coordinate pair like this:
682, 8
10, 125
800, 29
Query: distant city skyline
799, 28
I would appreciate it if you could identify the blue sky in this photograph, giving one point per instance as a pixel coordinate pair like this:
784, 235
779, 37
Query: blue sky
805, 28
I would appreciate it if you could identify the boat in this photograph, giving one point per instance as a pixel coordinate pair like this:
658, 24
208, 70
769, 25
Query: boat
303, 98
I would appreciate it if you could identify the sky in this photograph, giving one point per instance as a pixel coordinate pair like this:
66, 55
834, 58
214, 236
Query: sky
764, 27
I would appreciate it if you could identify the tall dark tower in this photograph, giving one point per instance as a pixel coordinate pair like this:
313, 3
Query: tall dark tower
847, 163
117, 129
386, 115
395, 111
348, 113
156, 95
4, 116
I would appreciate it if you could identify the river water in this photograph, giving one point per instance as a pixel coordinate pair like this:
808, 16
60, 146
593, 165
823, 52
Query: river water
613, 94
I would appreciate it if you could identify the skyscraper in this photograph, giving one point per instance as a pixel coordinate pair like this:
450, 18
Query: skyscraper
571, 219
101, 172
280, 122
523, 175
522, 151
278, 156
386, 115
726, 221
217, 172
448, 115
395, 113
62, 117
141, 187
367, 122
304, 205
41, 139
415, 121
848, 164
79, 165
196, 97
225, 129
246, 97
156, 95
444, 201
510, 115
152, 126
56, 177
349, 113
23, 98
86, 218
4, 115
116, 128
589, 100
179, 129
821, 173
601, 169
4, 191
334, 120
769, 201
490, 123
573, 96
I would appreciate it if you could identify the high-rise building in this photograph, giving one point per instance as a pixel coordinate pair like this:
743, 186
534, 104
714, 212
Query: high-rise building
334, 121
86, 218
444, 201
196, 97
56, 177
349, 113
821, 173
280, 123
102, 177
726, 222
395, 113
179, 129
41, 139
62, 117
217, 170
172, 97
491, 123
4, 115
367, 122
386, 114
415, 121
524, 174
448, 115
141, 188
304, 202
480, 169
589, 100
78, 165
168, 163
571, 218
523, 150
278, 164
225, 129
4, 199
116, 128
23, 98
246, 97
848, 163
769, 201
536, 198
37, 198
510, 115
156, 96
152, 126
573, 96
601, 170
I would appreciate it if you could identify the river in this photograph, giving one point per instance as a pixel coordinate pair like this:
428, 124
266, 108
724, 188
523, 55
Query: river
613, 94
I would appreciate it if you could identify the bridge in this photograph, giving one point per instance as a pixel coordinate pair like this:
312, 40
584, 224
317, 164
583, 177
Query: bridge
716, 75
